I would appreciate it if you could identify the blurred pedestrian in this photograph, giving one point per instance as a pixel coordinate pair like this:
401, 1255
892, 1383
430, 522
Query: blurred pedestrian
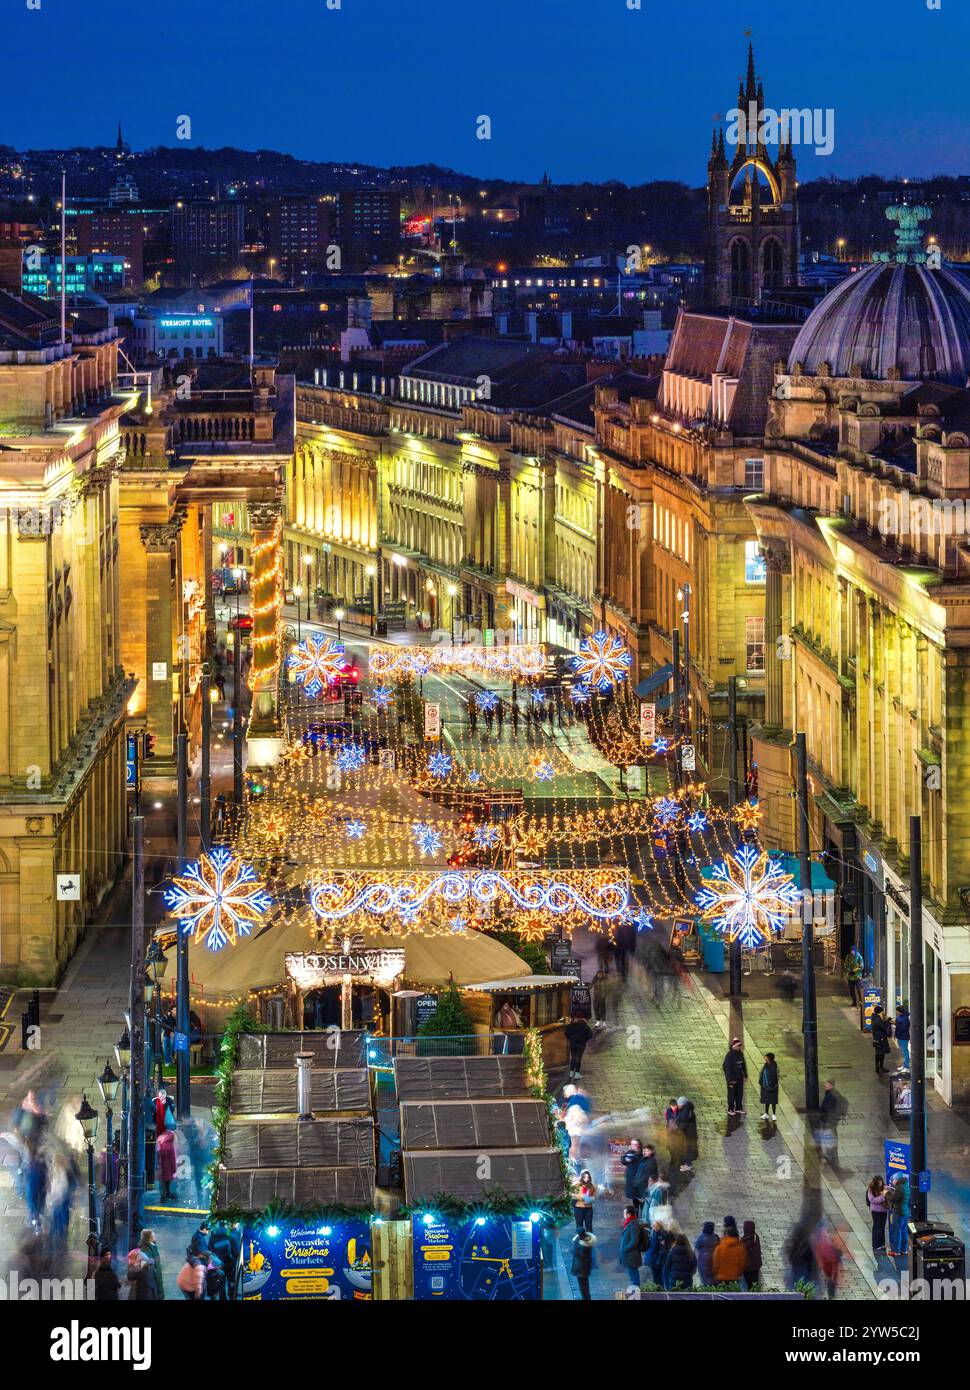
29, 1118
499, 717
704, 1247
852, 968
35, 1181
472, 714
584, 1195
658, 1248
828, 1250
583, 1262
633, 1243
191, 1278
877, 1202
166, 1158
107, 1285
215, 1278
735, 1074
634, 1174
148, 1247
599, 998
63, 1178
141, 1278
880, 1039
901, 1028
657, 1202
673, 1135
799, 1254
730, 1256
752, 1255
678, 1271
768, 1083
830, 1112
687, 1129
578, 1034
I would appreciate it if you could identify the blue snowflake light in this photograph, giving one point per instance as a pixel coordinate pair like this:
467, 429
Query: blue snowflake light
474, 776
602, 661
641, 919
660, 745
316, 662
486, 700
538, 697
218, 899
666, 811
544, 770
427, 839
459, 923
351, 757
748, 896
440, 764
485, 836
356, 829
381, 696
580, 693
697, 822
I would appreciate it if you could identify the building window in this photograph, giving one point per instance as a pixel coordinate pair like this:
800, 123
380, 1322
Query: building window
754, 475
754, 563
754, 644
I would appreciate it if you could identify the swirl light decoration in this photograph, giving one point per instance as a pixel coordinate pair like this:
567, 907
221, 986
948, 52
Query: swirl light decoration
601, 897
521, 662
316, 662
218, 899
601, 661
748, 896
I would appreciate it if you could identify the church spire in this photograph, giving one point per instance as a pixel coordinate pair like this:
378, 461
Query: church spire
751, 91
120, 145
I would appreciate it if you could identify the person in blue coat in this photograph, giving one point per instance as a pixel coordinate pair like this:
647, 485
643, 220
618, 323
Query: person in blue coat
901, 1029
679, 1266
704, 1247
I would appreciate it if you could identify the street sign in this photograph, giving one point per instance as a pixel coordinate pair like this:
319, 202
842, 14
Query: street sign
648, 723
925, 1180
896, 1158
387, 759
432, 721
488, 637
688, 757
131, 762
68, 888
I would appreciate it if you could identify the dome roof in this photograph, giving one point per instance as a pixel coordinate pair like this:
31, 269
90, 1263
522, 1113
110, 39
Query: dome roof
890, 316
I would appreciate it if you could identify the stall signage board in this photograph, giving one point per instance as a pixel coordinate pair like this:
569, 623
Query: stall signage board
581, 1001
301, 1262
571, 966
561, 950
425, 1008
896, 1158
313, 969
432, 721
461, 1261
648, 723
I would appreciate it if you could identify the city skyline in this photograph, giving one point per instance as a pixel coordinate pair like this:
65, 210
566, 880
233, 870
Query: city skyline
626, 118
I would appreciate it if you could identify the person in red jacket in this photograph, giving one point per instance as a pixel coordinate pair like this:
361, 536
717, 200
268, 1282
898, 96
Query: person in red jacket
167, 1162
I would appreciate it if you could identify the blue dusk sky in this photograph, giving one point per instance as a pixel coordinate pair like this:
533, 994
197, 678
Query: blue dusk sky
586, 89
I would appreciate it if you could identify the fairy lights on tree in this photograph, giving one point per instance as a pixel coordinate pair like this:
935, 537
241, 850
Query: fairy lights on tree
218, 899
748, 896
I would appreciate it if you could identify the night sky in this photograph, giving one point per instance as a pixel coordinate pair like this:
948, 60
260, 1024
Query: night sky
586, 89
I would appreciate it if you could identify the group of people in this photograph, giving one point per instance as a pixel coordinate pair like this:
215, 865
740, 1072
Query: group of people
732, 1258
208, 1272
47, 1177
884, 1029
889, 1209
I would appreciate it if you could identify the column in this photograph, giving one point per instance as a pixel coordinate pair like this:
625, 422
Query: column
158, 540
266, 587
777, 563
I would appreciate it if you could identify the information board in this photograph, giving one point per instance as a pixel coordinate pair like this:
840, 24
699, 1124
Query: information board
497, 1262
299, 1261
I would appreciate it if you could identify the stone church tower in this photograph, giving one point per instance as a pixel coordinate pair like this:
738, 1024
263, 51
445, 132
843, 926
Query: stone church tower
752, 225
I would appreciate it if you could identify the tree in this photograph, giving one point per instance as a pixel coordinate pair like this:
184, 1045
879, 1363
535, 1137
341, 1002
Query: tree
450, 1019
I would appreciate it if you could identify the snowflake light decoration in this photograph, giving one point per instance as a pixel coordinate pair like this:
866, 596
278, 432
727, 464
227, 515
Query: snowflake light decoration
697, 822
748, 896
485, 836
427, 839
538, 698
660, 745
218, 899
602, 661
666, 810
543, 770
641, 919
381, 696
351, 757
474, 776
355, 829
316, 661
486, 700
440, 764
747, 814
581, 693
459, 923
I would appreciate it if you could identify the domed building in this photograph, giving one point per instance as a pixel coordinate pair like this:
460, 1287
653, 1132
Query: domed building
864, 524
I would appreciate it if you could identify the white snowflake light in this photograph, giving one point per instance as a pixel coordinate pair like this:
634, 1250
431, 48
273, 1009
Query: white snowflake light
351, 757
748, 896
356, 829
602, 661
218, 899
544, 770
485, 836
427, 839
316, 662
439, 764
381, 696
486, 700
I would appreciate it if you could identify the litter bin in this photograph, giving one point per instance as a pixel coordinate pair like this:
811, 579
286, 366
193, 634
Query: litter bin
937, 1257
380, 627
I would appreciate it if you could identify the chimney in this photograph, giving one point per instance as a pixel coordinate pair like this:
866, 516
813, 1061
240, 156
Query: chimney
303, 1062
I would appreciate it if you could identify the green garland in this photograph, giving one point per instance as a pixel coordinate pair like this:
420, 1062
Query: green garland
496, 1203
241, 1020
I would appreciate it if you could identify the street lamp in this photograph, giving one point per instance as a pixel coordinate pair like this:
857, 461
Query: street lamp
452, 594
108, 1083
87, 1118
298, 594
371, 573
123, 1058
339, 615
157, 963
308, 561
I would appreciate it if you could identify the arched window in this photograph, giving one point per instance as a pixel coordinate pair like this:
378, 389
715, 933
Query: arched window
740, 270
772, 274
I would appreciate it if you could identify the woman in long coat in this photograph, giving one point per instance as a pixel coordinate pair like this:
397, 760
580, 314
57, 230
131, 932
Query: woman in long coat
687, 1128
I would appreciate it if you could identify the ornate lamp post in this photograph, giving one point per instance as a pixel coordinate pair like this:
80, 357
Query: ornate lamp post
123, 1058
339, 614
308, 561
156, 963
87, 1118
108, 1085
371, 573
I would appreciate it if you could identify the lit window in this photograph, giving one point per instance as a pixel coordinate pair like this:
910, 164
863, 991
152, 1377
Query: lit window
754, 644
754, 563
754, 475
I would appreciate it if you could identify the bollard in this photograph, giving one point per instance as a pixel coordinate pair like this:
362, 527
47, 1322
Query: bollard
24, 1030
34, 1007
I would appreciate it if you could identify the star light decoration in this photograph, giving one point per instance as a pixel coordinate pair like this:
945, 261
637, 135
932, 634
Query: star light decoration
660, 745
748, 896
538, 698
485, 836
543, 770
666, 811
641, 919
427, 839
747, 814
381, 696
351, 757
580, 694
602, 661
697, 822
356, 829
440, 764
486, 700
316, 661
218, 899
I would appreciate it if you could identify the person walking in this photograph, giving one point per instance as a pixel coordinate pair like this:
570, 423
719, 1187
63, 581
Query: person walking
583, 1262
635, 1174
687, 1129
880, 1039
657, 1204
679, 1266
829, 1114
499, 718
141, 1278
167, 1160
472, 714
633, 1242
752, 1255
877, 1202
191, 1278
828, 1250
148, 1247
729, 1258
768, 1083
578, 1034
584, 1195
515, 716
660, 1240
901, 1028
107, 1285
704, 1247
673, 1135
599, 998
898, 1204
852, 967
735, 1070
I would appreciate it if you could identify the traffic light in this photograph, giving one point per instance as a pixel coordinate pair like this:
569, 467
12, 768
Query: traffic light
147, 745
256, 788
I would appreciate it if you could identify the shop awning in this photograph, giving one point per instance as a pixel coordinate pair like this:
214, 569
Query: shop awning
655, 682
